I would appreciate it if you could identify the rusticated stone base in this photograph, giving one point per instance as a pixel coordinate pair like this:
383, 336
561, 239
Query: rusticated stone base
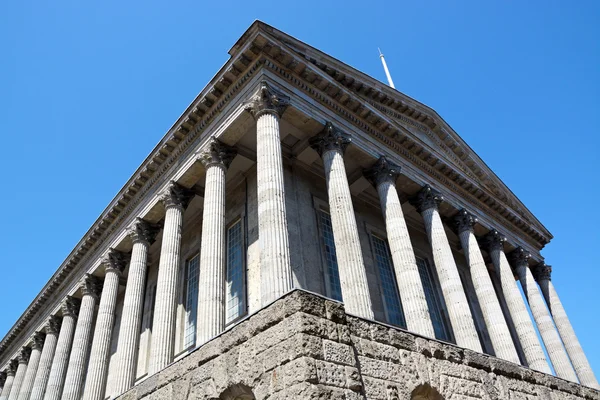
306, 347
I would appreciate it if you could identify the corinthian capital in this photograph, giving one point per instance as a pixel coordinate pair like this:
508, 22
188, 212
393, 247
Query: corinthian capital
464, 221
426, 198
267, 101
494, 240
115, 260
53, 326
330, 138
382, 171
24, 354
176, 196
38, 340
519, 257
70, 307
143, 231
91, 286
542, 272
11, 370
217, 153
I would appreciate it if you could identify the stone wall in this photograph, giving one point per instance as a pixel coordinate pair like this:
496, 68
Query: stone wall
306, 347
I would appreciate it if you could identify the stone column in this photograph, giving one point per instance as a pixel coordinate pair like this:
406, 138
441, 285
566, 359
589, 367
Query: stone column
23, 359
534, 354
2, 380
43, 373
142, 235
331, 143
495, 322
383, 176
580, 362
427, 202
175, 199
211, 290
275, 265
10, 378
90, 289
56, 380
95, 382
32, 367
554, 347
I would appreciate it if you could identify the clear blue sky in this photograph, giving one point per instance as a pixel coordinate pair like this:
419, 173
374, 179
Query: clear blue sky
88, 88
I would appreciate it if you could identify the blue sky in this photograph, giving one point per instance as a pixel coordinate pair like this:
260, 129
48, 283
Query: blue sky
88, 88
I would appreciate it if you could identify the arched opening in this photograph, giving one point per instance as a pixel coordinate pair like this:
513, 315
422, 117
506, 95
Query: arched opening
425, 392
237, 392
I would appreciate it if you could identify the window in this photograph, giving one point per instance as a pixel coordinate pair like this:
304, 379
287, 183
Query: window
433, 302
389, 288
235, 300
332, 274
192, 270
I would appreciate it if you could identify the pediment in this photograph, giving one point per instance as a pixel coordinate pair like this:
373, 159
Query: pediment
376, 108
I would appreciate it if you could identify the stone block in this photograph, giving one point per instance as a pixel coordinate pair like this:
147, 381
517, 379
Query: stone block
338, 353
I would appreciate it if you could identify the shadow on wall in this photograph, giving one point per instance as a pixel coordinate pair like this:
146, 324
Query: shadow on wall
238, 392
424, 392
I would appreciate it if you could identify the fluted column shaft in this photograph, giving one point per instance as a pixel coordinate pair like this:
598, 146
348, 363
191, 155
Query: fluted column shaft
60, 362
19, 376
276, 271
163, 326
32, 367
456, 300
578, 358
142, 234
95, 382
331, 143
81, 340
211, 289
43, 372
6, 389
534, 355
495, 322
554, 347
408, 279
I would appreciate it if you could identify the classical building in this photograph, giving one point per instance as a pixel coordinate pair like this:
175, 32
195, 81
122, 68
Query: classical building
302, 231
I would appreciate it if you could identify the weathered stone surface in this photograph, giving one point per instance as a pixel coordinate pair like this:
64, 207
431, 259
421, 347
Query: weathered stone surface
293, 349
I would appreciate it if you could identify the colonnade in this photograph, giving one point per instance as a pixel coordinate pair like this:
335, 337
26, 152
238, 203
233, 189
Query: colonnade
69, 357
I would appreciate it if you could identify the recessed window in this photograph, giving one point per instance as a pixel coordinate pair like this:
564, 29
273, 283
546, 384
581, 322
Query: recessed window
192, 270
332, 274
236, 281
389, 288
433, 301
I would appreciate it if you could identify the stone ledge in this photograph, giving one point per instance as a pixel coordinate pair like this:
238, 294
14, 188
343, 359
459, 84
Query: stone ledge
305, 346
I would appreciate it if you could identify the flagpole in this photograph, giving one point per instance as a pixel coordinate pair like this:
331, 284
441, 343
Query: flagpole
387, 72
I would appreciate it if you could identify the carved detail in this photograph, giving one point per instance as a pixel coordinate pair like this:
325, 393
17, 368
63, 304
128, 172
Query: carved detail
91, 285
464, 221
217, 153
54, 324
177, 196
383, 171
24, 354
542, 272
494, 240
268, 100
519, 257
143, 231
426, 198
330, 138
115, 260
38, 340
11, 370
70, 307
